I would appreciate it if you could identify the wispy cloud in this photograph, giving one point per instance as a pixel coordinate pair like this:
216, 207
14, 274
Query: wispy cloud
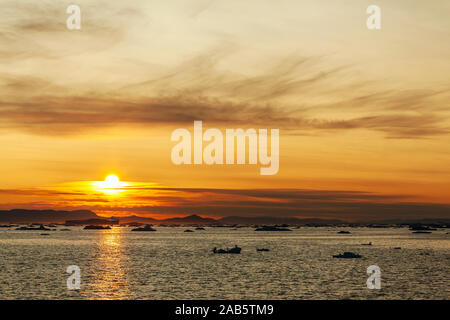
197, 91
302, 94
394, 126
37, 30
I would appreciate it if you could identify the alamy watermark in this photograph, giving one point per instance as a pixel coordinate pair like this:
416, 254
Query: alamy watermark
235, 144
374, 20
374, 280
74, 280
73, 22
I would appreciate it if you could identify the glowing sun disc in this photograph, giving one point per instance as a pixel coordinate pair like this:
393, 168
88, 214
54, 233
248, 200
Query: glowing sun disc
110, 185
112, 181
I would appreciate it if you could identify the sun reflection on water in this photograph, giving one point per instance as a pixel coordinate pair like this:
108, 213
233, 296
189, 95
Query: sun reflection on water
111, 277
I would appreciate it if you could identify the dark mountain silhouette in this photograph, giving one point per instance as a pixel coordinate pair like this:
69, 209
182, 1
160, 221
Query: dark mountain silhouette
44, 216
276, 220
24, 216
81, 217
130, 219
426, 221
94, 222
190, 219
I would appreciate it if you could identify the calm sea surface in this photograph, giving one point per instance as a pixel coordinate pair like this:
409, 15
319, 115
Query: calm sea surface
172, 264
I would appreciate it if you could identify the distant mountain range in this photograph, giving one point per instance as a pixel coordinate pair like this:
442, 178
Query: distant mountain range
188, 219
24, 216
87, 216
276, 220
416, 221
195, 219
44, 216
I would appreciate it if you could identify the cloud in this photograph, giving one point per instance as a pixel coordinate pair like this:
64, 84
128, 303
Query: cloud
157, 201
394, 126
32, 30
300, 94
340, 211
37, 192
238, 102
347, 205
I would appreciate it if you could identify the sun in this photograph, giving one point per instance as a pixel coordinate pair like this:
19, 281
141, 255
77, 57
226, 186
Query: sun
112, 181
111, 185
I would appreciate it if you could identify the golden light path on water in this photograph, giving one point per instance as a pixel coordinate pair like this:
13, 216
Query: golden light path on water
110, 279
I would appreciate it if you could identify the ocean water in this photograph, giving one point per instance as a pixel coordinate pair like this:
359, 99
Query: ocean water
172, 264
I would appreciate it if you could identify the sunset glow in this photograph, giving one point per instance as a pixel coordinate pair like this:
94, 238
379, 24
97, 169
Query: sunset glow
362, 114
112, 185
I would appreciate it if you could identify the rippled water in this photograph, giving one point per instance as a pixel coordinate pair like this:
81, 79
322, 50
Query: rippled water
172, 264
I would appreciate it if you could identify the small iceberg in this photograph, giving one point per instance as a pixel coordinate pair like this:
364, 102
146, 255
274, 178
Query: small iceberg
97, 227
347, 255
41, 227
146, 228
188, 230
272, 228
262, 249
419, 227
236, 249
344, 232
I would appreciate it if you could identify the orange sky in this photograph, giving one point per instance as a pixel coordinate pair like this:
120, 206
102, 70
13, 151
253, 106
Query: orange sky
358, 110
